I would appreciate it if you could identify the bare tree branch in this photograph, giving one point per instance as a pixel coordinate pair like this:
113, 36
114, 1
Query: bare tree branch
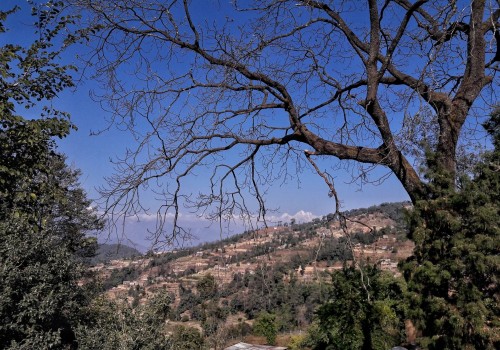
238, 97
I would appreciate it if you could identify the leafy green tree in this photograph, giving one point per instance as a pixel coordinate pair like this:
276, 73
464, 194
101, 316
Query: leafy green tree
44, 214
186, 338
207, 287
285, 319
212, 317
362, 312
453, 274
297, 342
40, 299
265, 325
117, 326
158, 307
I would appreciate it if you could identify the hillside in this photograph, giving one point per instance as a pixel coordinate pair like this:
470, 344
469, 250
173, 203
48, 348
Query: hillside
262, 270
108, 252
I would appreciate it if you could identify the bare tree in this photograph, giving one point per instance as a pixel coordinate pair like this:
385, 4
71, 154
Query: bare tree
236, 92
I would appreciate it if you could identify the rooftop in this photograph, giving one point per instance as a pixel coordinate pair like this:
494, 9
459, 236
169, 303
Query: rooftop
245, 346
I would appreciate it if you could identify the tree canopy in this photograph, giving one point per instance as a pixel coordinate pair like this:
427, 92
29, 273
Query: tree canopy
453, 274
44, 214
365, 310
249, 93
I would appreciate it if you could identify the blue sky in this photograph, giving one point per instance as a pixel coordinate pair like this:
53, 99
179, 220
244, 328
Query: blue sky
302, 198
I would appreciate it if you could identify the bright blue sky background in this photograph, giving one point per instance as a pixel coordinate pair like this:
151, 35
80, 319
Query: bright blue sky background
304, 201
92, 155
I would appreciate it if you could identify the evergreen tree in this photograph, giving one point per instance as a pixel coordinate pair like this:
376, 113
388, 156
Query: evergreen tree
362, 312
453, 274
265, 325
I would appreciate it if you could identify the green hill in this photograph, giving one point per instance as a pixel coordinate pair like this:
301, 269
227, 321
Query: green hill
107, 252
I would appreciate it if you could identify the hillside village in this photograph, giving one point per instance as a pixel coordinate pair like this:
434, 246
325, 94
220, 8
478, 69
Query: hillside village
304, 253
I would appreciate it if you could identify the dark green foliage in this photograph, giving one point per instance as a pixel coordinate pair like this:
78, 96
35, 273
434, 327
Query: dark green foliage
113, 326
188, 299
117, 277
168, 257
334, 249
239, 330
186, 338
364, 311
37, 185
453, 275
158, 308
44, 215
26, 153
107, 252
40, 300
265, 325
207, 287
212, 317
394, 211
266, 290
